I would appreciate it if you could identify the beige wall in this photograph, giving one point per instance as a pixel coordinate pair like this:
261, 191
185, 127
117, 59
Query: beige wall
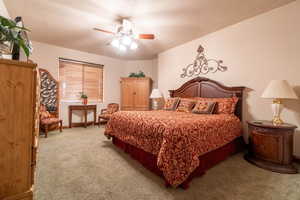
256, 51
3, 10
47, 57
149, 67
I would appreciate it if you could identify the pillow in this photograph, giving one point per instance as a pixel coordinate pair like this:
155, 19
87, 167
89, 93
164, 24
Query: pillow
224, 105
185, 105
45, 115
171, 103
204, 107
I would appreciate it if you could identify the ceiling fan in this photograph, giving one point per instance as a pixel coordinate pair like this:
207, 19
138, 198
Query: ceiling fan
125, 37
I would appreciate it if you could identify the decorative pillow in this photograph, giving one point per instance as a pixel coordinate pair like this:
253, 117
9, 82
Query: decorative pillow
171, 103
224, 105
185, 105
204, 107
44, 114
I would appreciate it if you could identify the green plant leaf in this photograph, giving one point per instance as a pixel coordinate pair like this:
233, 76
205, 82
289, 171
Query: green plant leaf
24, 47
9, 32
7, 22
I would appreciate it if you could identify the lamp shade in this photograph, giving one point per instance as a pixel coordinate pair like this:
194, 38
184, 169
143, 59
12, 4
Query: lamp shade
279, 89
155, 94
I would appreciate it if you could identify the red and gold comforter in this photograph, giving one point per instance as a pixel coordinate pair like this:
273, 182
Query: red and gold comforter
176, 138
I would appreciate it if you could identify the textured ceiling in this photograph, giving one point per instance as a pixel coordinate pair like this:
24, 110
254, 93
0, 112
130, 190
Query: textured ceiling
70, 23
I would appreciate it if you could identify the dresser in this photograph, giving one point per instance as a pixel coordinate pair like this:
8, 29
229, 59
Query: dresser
135, 93
271, 147
19, 127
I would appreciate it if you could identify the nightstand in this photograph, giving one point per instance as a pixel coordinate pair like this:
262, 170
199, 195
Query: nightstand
271, 147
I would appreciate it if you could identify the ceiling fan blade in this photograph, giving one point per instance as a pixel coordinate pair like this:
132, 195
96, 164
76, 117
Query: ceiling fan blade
146, 36
102, 30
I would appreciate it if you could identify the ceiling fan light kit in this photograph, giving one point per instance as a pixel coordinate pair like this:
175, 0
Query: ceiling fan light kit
125, 38
124, 43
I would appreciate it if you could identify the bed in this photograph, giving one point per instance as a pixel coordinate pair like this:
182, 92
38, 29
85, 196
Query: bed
176, 145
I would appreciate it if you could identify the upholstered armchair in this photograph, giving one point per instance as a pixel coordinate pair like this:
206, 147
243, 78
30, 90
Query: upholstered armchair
48, 121
107, 112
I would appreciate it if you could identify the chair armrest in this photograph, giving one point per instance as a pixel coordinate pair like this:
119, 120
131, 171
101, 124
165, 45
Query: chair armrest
103, 111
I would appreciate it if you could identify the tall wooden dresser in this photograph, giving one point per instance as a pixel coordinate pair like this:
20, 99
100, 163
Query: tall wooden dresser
135, 93
18, 129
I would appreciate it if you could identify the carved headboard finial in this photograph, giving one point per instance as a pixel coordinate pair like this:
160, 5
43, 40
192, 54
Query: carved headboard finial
200, 49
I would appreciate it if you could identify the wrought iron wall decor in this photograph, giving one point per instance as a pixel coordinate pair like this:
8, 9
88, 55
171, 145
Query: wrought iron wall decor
202, 65
48, 91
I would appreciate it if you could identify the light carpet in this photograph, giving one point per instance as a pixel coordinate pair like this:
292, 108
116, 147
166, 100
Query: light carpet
81, 164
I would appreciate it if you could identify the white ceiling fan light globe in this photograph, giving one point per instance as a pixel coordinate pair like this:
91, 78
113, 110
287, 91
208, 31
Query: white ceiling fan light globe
123, 48
133, 46
115, 43
126, 40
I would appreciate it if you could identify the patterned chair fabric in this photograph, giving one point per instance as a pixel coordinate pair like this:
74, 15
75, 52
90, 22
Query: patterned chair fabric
106, 113
46, 119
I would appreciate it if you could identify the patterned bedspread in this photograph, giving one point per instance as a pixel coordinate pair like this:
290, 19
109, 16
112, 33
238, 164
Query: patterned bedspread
177, 138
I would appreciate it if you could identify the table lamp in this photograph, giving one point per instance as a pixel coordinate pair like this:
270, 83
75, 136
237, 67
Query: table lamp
278, 90
155, 95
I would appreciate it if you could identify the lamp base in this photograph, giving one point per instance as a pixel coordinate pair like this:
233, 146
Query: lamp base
277, 121
277, 108
154, 104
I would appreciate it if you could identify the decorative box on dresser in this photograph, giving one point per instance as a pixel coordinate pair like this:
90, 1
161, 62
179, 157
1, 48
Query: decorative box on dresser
135, 93
19, 128
271, 147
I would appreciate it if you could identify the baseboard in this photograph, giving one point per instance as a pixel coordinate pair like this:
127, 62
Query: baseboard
79, 124
297, 159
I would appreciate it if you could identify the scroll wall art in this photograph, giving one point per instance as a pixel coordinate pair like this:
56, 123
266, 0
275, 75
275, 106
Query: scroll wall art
202, 65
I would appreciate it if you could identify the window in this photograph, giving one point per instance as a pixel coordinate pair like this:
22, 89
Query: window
77, 77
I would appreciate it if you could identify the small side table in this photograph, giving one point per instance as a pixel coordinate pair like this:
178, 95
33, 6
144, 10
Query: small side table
85, 109
271, 147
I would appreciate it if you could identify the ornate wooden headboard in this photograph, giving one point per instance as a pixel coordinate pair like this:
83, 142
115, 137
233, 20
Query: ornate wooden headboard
204, 87
49, 91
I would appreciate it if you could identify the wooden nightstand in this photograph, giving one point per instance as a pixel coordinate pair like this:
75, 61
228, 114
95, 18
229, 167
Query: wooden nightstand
271, 147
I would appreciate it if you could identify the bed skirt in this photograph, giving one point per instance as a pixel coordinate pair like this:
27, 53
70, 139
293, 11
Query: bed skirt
207, 160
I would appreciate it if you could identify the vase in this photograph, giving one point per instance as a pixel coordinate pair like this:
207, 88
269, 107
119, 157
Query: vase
85, 101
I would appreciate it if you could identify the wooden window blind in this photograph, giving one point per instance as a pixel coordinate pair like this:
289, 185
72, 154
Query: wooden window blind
76, 77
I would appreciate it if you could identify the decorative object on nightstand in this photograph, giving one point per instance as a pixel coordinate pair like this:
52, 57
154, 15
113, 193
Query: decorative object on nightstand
271, 146
278, 90
155, 95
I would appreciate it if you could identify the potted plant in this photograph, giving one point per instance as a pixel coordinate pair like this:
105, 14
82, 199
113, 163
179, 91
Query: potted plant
139, 74
84, 98
10, 35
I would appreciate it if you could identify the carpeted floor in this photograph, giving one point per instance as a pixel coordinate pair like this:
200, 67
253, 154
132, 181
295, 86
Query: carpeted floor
81, 164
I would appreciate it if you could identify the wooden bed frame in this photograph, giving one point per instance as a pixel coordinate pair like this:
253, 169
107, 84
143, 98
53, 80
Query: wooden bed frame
204, 87
197, 87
